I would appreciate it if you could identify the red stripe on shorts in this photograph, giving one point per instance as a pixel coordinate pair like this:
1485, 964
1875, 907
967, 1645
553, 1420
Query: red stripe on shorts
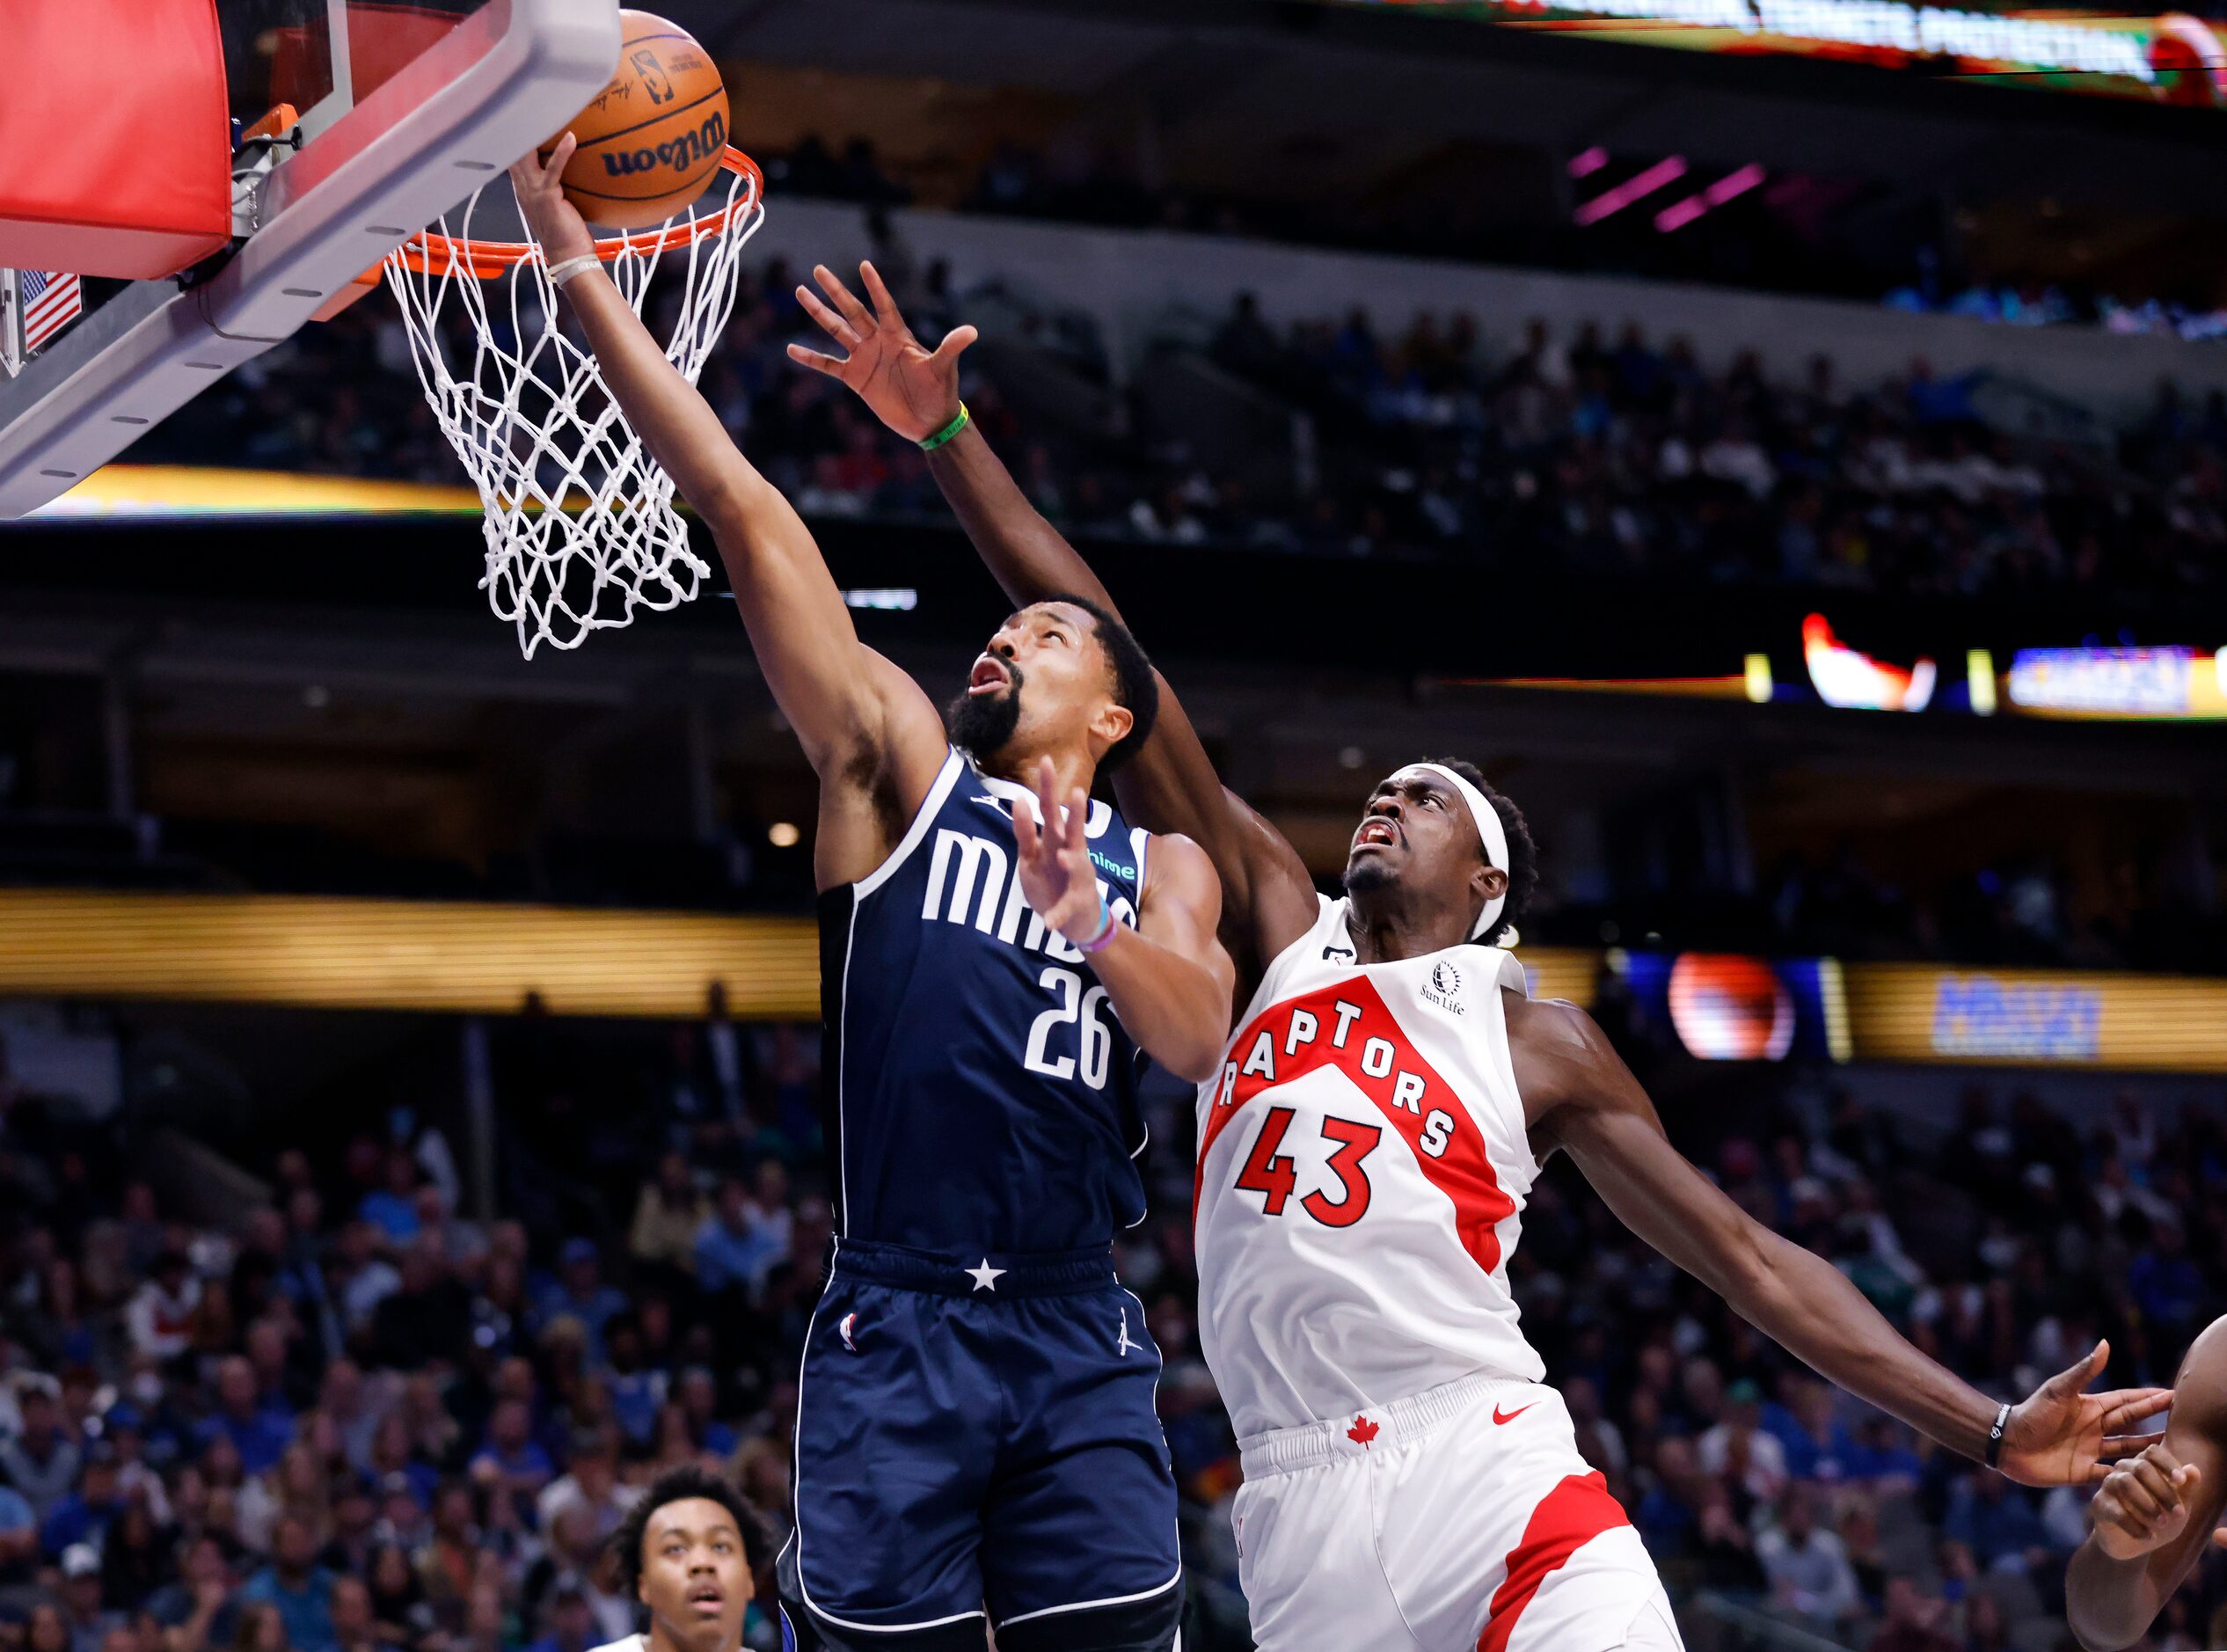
1567, 1518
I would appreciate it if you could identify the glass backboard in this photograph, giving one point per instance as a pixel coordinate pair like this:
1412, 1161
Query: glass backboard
325, 57
405, 108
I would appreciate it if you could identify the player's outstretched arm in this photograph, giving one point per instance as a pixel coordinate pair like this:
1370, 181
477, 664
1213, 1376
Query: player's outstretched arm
1168, 979
2156, 1513
1267, 899
1584, 1100
869, 731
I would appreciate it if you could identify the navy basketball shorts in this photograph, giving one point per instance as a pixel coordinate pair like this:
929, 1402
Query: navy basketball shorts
976, 1436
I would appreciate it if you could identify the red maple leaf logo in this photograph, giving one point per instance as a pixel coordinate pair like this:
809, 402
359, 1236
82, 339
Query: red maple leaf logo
1361, 1432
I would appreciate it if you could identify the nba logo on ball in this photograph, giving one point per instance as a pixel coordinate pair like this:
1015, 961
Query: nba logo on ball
652, 138
1729, 1008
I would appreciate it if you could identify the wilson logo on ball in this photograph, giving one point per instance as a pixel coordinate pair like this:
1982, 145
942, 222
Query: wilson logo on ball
684, 153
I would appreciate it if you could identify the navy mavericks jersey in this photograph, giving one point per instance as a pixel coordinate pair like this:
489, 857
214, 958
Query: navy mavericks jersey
979, 1091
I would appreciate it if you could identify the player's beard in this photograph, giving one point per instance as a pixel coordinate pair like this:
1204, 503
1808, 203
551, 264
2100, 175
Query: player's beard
1366, 877
983, 723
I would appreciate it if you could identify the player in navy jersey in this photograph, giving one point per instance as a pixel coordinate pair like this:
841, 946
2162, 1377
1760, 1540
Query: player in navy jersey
975, 1430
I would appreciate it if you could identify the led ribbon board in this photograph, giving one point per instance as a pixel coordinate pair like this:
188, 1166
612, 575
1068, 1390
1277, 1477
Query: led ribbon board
2168, 57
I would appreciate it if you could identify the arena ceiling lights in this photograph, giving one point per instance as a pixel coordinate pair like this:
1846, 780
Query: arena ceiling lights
1652, 179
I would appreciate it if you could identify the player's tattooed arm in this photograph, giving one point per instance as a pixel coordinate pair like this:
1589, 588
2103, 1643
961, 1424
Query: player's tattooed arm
2156, 1513
1579, 1097
871, 734
1267, 897
1168, 979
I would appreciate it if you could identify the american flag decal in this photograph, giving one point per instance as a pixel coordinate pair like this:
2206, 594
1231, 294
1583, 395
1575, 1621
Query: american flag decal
52, 299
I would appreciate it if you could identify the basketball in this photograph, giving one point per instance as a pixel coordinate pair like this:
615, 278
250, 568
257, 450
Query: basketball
652, 138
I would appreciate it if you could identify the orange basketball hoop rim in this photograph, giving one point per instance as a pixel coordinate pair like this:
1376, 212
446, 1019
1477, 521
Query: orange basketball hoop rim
430, 252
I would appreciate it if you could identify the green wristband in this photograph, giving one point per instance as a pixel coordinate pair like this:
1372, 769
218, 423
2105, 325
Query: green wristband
947, 432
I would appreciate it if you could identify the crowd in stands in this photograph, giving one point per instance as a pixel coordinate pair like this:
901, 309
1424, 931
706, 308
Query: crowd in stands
1897, 261
2018, 911
1589, 455
343, 1416
2046, 304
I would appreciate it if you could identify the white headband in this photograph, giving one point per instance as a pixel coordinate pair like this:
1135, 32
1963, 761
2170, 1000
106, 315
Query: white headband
1489, 830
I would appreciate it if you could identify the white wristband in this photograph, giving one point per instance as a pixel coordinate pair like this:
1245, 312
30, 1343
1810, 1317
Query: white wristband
562, 272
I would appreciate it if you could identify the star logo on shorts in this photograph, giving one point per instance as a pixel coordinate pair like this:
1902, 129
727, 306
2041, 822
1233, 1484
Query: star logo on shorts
1363, 1432
985, 1277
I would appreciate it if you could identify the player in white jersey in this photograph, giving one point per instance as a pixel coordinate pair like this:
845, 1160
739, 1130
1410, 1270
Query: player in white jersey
1363, 1162
686, 1551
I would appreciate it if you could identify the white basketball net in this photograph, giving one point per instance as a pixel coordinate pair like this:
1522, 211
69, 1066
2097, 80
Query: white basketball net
581, 527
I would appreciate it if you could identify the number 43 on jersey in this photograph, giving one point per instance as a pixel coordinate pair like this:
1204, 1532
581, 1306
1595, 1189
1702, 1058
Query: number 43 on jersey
1269, 1170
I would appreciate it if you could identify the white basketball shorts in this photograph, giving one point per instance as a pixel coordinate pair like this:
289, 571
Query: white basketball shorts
1459, 1520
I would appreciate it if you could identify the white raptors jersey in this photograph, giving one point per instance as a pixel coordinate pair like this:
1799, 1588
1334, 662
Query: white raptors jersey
1362, 1167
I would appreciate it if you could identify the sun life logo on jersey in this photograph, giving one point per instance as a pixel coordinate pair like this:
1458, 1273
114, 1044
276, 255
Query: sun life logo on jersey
1445, 983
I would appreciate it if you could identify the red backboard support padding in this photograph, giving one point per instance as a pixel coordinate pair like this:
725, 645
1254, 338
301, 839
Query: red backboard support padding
119, 141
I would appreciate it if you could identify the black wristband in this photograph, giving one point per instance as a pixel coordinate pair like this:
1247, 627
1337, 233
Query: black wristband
1995, 1436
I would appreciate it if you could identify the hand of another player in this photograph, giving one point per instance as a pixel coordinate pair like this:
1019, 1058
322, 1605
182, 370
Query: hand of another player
550, 219
909, 387
1055, 871
2058, 1436
2144, 1505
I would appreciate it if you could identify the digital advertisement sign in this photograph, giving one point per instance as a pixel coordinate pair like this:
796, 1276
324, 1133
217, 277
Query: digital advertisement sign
1931, 1014
462, 958
2156, 57
2118, 683
1728, 1006
2123, 682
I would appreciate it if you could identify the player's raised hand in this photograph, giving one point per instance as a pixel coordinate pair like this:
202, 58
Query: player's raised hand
2145, 1504
1055, 871
910, 388
551, 219
2058, 1436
